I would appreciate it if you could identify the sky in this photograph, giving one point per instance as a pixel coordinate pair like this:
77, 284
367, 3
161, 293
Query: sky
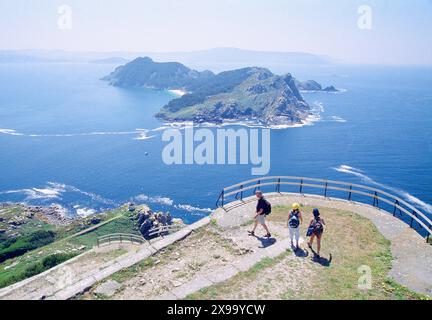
395, 31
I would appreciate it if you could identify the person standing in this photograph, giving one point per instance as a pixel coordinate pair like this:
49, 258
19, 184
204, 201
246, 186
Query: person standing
316, 229
263, 209
295, 219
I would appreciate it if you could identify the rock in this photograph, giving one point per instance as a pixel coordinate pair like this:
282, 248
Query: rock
2, 231
330, 89
177, 221
108, 288
95, 220
176, 283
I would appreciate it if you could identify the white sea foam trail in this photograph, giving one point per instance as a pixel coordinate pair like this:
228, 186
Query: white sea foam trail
407, 196
10, 132
142, 134
169, 202
55, 191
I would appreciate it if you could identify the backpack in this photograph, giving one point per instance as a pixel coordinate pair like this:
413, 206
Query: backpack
294, 221
267, 207
318, 227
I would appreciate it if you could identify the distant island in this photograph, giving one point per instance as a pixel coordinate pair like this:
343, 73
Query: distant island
252, 94
312, 85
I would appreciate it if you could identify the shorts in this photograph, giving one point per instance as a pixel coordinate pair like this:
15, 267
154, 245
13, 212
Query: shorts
261, 218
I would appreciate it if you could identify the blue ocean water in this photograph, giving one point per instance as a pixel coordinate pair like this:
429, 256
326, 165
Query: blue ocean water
68, 138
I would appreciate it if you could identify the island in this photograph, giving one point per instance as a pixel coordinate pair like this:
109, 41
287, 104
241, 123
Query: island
251, 95
313, 86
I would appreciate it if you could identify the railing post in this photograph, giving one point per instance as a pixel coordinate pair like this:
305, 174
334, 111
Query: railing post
412, 219
258, 187
350, 193
97, 241
241, 193
395, 207
223, 197
325, 189
278, 186
375, 202
121, 240
301, 186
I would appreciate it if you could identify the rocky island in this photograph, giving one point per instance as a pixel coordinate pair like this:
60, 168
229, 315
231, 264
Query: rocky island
252, 95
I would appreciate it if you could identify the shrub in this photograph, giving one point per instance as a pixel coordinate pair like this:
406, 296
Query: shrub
18, 246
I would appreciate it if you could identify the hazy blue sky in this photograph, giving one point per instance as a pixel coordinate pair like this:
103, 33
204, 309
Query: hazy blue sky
401, 30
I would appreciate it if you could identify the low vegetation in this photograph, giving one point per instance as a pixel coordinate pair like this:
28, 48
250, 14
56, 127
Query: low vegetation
36, 268
40, 246
15, 247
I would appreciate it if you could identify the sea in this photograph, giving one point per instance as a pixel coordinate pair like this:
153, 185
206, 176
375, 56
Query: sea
68, 138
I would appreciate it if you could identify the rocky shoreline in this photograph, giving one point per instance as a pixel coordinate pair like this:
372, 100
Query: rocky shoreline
53, 214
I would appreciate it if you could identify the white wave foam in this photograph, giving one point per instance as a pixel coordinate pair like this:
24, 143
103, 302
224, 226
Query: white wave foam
169, 202
39, 193
84, 212
55, 190
189, 208
407, 196
155, 199
336, 119
10, 132
178, 92
141, 133
95, 197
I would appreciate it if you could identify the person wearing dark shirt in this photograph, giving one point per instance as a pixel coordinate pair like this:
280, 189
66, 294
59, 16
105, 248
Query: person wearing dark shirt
260, 214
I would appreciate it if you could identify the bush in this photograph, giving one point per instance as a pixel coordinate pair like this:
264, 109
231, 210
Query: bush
47, 263
18, 246
38, 267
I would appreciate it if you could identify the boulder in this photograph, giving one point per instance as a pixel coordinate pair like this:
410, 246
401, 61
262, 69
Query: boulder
95, 220
108, 288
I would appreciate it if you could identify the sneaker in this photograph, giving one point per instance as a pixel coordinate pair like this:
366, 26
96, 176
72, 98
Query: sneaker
251, 233
268, 235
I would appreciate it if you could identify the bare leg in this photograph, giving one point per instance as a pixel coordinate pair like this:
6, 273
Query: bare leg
318, 245
311, 240
266, 229
255, 225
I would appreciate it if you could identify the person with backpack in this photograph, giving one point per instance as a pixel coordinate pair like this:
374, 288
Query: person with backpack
316, 229
294, 220
263, 209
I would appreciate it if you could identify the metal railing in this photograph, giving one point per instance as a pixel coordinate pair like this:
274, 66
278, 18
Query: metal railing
120, 237
376, 197
163, 230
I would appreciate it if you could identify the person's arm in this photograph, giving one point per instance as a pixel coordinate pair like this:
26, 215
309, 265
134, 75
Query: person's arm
260, 211
323, 222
